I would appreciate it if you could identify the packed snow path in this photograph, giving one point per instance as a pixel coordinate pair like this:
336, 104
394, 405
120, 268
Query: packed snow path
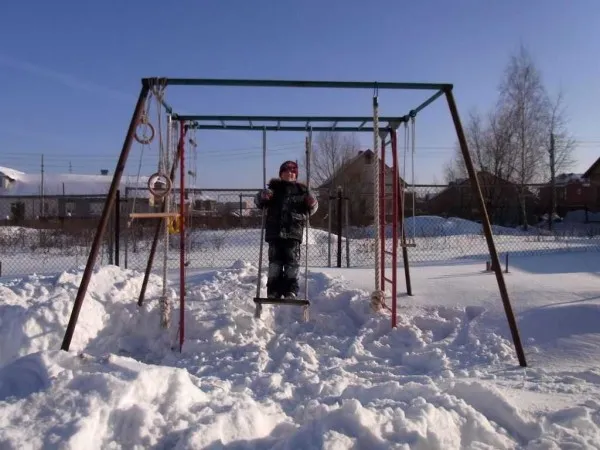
446, 378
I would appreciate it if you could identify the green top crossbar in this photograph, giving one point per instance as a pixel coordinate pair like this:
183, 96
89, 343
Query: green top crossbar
198, 122
199, 126
296, 83
251, 118
278, 123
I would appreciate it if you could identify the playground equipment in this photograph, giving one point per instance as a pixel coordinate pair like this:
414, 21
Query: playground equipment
304, 123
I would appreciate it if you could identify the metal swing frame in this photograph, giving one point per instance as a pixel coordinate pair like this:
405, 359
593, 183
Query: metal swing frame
298, 123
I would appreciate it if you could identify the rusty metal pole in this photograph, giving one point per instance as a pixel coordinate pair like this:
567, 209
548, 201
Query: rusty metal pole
108, 206
182, 215
487, 228
118, 228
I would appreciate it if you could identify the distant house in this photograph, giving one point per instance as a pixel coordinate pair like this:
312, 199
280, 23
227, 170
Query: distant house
573, 191
356, 179
593, 176
502, 199
26, 196
593, 173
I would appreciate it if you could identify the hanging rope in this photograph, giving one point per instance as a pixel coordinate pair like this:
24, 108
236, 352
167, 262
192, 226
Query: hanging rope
308, 160
145, 143
376, 186
258, 309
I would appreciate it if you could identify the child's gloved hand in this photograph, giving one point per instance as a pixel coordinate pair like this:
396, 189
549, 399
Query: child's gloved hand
310, 200
266, 194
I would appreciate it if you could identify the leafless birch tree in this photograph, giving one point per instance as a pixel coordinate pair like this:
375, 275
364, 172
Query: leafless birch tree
514, 142
331, 150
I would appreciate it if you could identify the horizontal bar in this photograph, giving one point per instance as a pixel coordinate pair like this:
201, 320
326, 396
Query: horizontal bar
152, 215
426, 103
276, 128
286, 118
389, 252
299, 83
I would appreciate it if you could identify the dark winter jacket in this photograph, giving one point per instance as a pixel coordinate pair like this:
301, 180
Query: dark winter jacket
287, 210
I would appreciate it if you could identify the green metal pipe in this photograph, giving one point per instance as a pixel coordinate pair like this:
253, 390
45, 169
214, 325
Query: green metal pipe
278, 128
218, 118
426, 103
303, 84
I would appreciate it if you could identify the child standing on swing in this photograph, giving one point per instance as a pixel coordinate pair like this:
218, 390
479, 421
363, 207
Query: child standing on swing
289, 204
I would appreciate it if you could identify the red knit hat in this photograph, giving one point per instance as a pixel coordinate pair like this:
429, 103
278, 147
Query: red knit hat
289, 165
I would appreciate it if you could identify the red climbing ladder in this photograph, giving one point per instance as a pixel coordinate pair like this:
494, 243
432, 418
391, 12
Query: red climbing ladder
397, 203
383, 196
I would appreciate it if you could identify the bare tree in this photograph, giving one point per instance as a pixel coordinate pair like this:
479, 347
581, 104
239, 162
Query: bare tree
331, 151
489, 146
564, 142
523, 96
489, 141
513, 143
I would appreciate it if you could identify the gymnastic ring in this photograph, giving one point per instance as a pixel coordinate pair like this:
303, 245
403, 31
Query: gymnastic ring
153, 179
146, 140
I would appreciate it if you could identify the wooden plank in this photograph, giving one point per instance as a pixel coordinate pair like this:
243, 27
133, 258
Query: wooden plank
152, 215
281, 301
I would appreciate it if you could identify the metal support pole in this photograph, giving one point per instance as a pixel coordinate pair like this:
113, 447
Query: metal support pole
339, 226
382, 214
395, 192
329, 230
108, 205
399, 200
117, 227
487, 228
347, 227
552, 183
127, 231
110, 244
182, 223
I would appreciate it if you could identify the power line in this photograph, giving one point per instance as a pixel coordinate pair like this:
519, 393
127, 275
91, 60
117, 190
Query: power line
224, 153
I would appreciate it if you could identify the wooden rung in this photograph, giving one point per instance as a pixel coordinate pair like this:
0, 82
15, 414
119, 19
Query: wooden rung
388, 280
281, 301
152, 215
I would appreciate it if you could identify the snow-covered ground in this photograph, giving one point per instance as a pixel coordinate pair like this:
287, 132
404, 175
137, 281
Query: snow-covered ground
446, 378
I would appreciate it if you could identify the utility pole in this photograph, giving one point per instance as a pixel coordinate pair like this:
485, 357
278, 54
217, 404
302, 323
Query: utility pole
70, 167
42, 190
552, 182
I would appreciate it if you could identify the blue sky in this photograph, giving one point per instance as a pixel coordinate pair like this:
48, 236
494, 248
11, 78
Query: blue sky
70, 72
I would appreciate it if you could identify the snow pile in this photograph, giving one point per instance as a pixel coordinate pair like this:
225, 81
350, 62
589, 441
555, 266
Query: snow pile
444, 379
426, 226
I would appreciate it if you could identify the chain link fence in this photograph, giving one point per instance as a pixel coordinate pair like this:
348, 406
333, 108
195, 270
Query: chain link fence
223, 226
